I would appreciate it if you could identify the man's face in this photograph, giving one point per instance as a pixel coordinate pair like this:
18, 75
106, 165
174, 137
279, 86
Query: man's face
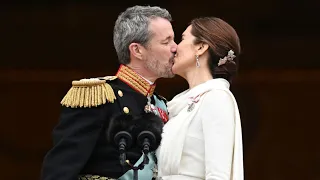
161, 48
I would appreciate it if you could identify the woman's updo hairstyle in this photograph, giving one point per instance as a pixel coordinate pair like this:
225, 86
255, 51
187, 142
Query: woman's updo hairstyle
222, 40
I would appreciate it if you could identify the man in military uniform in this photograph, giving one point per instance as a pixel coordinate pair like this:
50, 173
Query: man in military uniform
144, 41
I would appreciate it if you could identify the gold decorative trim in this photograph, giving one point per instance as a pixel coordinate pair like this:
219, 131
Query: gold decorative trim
88, 93
94, 177
109, 78
135, 81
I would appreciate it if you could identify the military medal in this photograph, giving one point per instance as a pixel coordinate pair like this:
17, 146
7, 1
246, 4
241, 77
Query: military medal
192, 102
191, 107
147, 108
150, 107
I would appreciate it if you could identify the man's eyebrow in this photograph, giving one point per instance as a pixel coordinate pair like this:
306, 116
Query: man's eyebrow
168, 38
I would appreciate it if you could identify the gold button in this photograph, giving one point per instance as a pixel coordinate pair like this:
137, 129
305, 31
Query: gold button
120, 93
128, 162
126, 110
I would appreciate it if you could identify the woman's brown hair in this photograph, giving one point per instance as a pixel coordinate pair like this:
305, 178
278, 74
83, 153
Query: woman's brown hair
221, 38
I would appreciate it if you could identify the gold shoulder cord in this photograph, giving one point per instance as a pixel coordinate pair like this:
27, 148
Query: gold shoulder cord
87, 93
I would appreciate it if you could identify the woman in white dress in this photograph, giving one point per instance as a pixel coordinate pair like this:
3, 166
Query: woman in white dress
202, 139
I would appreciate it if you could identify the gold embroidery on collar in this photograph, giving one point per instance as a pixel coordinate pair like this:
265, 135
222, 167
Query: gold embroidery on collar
135, 81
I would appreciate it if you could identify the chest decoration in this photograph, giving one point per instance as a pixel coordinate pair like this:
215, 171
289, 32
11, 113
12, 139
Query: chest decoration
193, 100
156, 110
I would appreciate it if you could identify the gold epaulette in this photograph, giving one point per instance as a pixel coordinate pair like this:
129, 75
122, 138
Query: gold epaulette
88, 93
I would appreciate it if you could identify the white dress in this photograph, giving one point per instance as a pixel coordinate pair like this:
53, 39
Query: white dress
204, 142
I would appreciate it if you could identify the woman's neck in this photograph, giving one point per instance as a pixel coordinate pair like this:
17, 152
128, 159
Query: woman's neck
198, 76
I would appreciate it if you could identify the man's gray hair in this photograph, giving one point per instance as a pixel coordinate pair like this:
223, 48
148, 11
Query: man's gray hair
132, 25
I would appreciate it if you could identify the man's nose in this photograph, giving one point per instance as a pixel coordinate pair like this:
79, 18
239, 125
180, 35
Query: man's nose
174, 47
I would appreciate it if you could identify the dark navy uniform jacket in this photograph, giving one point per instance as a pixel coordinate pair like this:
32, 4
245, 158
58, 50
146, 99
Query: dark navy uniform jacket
80, 145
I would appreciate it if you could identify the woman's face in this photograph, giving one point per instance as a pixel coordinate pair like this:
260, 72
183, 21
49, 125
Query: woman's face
186, 54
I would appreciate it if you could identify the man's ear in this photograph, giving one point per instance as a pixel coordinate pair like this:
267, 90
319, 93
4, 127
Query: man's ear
136, 50
202, 48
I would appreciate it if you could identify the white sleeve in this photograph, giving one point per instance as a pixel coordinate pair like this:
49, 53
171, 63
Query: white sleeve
217, 117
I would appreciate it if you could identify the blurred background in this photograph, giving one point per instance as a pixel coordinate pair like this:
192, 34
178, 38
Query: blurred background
45, 45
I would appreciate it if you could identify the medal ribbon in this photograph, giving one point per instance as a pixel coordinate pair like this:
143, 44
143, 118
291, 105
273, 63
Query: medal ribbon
195, 99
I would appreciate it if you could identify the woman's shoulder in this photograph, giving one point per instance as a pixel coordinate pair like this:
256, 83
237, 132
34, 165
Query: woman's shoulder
217, 95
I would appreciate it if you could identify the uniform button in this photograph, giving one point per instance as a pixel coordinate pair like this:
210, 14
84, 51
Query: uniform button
126, 110
120, 93
128, 162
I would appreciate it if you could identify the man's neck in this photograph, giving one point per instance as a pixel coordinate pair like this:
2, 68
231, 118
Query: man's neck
142, 72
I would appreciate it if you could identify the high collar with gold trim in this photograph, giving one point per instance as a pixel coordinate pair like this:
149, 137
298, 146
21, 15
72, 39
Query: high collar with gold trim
135, 81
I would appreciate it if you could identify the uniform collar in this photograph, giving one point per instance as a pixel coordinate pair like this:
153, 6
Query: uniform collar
135, 81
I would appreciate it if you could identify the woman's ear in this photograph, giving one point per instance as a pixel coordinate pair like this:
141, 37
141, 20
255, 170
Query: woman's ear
202, 48
136, 50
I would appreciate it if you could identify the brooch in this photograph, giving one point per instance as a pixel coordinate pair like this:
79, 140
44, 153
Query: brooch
193, 101
191, 107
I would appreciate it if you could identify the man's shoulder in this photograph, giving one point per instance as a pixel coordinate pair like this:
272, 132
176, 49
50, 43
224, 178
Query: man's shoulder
90, 92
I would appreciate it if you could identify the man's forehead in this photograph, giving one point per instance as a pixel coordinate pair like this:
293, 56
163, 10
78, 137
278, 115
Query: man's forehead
161, 27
